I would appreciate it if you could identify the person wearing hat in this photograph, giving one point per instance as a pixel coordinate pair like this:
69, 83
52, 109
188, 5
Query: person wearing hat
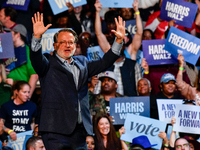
24, 71
99, 103
167, 91
141, 143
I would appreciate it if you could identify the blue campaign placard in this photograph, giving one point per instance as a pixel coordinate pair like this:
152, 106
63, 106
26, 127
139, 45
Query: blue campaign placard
180, 42
17, 4
59, 6
117, 3
181, 11
19, 59
94, 53
47, 40
138, 125
156, 54
131, 27
121, 106
21, 139
6, 46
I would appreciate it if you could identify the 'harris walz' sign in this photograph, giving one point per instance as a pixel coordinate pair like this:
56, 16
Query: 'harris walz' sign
180, 11
181, 42
6, 46
155, 53
17, 4
121, 106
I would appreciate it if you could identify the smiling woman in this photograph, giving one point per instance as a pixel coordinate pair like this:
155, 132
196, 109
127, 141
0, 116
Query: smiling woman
105, 134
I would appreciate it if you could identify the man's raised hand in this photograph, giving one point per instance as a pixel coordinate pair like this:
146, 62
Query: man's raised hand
38, 25
120, 30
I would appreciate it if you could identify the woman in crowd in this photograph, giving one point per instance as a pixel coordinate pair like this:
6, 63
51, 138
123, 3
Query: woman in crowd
105, 135
18, 113
167, 91
192, 93
90, 142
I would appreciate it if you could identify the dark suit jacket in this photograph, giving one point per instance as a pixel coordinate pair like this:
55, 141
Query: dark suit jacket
59, 113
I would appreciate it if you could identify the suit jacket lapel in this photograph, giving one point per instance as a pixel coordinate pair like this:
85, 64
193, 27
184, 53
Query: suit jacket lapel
81, 74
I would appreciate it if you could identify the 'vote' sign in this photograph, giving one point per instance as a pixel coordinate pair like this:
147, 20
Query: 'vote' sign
138, 125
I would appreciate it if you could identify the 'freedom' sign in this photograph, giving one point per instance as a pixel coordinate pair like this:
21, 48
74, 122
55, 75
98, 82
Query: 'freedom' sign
117, 3
47, 40
17, 4
180, 42
59, 6
121, 106
6, 46
166, 109
94, 53
155, 53
181, 11
139, 125
187, 119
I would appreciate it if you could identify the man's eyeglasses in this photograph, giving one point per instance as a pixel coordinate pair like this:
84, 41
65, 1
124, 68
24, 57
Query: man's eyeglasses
180, 146
70, 43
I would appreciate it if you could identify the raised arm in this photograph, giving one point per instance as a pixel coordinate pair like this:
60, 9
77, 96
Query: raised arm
38, 25
137, 39
38, 61
103, 43
113, 54
185, 89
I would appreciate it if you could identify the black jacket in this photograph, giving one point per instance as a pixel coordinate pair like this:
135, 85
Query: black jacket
59, 112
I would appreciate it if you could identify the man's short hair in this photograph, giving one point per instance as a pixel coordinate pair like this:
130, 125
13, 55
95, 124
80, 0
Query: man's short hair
179, 139
55, 37
31, 142
10, 11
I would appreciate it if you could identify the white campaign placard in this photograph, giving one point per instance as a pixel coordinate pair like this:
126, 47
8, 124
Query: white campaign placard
187, 119
138, 125
47, 40
166, 108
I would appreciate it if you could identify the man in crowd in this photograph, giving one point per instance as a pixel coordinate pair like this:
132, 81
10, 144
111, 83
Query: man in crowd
8, 17
24, 71
100, 103
65, 117
35, 143
181, 144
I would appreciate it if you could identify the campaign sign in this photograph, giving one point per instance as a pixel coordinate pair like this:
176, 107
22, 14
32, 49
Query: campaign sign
131, 27
181, 11
187, 119
19, 59
94, 53
17, 4
47, 40
156, 54
180, 42
59, 6
19, 143
6, 46
166, 108
121, 106
138, 125
117, 3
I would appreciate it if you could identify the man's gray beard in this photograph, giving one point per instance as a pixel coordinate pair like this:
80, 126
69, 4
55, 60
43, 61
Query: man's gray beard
72, 54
